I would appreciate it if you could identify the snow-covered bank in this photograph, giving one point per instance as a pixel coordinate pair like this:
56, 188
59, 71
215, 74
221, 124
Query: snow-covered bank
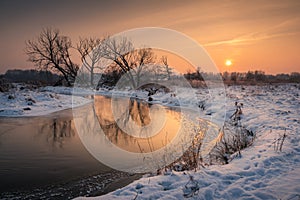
24, 101
260, 173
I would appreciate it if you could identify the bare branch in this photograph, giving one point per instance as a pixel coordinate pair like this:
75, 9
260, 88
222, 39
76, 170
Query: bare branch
51, 51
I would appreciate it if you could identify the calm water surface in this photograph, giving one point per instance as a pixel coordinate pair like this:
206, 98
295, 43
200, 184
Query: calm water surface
38, 153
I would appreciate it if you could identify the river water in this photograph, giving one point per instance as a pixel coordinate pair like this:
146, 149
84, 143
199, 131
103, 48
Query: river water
43, 157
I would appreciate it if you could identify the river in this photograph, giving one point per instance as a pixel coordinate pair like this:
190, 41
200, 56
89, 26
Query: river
43, 157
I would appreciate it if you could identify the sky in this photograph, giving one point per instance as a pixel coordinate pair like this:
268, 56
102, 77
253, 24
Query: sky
254, 35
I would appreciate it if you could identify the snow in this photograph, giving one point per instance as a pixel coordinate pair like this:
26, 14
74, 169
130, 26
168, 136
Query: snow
24, 101
260, 172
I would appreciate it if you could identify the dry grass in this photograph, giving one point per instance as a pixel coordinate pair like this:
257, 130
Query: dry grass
232, 141
278, 143
233, 137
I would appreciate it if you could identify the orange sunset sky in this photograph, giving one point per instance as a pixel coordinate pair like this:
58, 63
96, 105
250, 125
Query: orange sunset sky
254, 35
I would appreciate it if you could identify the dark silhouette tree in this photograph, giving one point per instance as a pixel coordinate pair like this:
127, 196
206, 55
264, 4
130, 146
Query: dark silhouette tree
131, 61
259, 75
250, 76
225, 76
51, 51
233, 76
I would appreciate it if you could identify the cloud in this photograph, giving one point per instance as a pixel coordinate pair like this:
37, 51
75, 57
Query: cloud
284, 29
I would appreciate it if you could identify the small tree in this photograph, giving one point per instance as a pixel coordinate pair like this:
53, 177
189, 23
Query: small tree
233, 77
51, 51
198, 74
259, 75
168, 70
225, 76
250, 76
131, 61
91, 50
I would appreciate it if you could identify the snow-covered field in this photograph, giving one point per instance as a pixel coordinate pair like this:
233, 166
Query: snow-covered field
260, 173
24, 101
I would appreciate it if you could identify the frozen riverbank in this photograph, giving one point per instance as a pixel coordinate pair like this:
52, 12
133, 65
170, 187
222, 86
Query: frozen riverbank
260, 173
23, 101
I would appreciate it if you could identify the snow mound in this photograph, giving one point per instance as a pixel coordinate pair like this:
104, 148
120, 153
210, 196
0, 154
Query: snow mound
22, 101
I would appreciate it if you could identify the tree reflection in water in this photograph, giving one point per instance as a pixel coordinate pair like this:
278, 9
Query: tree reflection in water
57, 130
138, 113
131, 135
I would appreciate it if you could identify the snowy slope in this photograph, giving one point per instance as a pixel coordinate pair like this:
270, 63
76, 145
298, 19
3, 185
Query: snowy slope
24, 101
260, 173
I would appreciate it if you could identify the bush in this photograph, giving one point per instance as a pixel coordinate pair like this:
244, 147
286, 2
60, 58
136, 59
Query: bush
5, 85
233, 138
231, 141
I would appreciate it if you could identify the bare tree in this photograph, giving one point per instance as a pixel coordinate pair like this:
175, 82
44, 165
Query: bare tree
131, 61
168, 70
51, 51
143, 59
91, 50
158, 72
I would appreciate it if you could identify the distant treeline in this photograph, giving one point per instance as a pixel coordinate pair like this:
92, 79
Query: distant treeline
197, 79
250, 77
32, 76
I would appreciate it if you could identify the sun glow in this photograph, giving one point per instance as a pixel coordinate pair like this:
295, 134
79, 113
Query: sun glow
228, 62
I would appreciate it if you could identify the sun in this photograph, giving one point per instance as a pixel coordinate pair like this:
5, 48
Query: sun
228, 62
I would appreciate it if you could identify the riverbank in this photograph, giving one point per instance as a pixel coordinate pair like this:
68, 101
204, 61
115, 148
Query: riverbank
93, 185
263, 171
24, 100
